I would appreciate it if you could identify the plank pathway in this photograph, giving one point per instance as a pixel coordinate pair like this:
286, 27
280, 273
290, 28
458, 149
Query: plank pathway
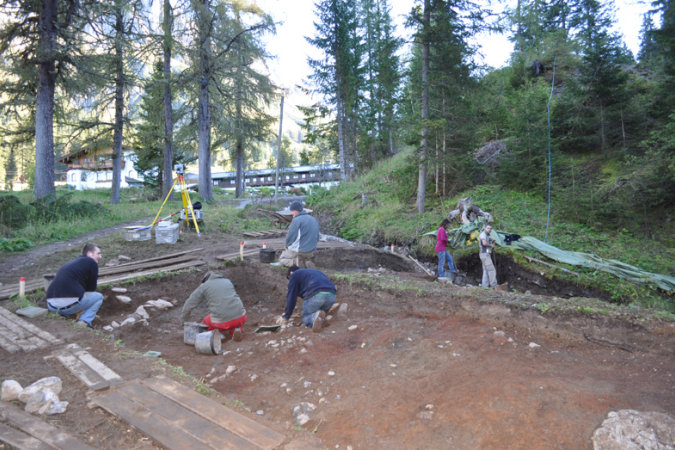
178, 417
17, 334
172, 414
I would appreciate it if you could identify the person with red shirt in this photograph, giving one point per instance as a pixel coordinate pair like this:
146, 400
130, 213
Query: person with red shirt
442, 249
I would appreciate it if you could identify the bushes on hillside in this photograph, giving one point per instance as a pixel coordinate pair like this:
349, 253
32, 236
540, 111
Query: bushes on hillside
16, 215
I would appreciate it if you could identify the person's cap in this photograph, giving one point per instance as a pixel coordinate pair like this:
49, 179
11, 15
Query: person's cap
296, 206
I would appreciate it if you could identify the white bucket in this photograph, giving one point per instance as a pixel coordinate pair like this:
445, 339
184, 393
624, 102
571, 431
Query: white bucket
208, 342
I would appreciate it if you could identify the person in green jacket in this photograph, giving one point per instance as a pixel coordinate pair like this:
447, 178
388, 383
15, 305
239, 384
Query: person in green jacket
226, 311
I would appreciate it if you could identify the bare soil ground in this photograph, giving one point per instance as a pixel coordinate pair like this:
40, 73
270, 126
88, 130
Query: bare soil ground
415, 364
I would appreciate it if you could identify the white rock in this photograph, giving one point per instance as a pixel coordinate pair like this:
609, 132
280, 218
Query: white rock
119, 290
633, 430
108, 328
303, 350
253, 377
142, 312
128, 320
331, 373
260, 412
301, 412
123, 298
57, 408
353, 327
52, 384
230, 369
499, 333
114, 324
10, 390
534, 345
307, 384
40, 400
123, 258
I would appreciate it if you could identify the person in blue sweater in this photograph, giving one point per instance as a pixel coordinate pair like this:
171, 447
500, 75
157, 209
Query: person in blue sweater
317, 292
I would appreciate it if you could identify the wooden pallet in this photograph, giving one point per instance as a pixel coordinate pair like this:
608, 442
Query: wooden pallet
17, 334
24, 431
180, 418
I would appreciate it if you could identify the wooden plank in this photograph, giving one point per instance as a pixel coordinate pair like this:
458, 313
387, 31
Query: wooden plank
117, 279
92, 372
97, 366
164, 420
35, 427
21, 440
113, 270
249, 429
156, 258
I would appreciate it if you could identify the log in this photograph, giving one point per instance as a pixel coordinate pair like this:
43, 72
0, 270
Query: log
552, 265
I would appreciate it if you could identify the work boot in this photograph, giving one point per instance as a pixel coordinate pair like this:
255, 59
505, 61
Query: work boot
319, 318
237, 334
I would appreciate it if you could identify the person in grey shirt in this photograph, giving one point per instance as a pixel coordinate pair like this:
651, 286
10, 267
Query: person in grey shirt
226, 311
301, 239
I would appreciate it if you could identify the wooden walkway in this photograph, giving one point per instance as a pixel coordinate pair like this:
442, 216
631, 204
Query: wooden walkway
180, 418
16, 334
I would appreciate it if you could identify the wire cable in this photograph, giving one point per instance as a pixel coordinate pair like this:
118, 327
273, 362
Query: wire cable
548, 117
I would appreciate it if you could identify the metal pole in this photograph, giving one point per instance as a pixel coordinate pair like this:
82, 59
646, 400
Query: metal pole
281, 121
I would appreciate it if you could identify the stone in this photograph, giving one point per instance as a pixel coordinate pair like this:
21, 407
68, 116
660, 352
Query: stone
119, 290
353, 327
32, 311
128, 320
142, 312
123, 298
123, 258
301, 412
632, 430
52, 384
342, 311
40, 400
10, 390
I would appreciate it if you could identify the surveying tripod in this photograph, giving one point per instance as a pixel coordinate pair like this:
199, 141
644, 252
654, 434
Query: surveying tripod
187, 203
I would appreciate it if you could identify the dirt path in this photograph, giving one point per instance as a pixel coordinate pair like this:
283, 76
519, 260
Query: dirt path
415, 364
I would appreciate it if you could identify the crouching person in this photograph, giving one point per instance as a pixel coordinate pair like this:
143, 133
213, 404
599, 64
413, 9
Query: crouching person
72, 292
317, 292
226, 311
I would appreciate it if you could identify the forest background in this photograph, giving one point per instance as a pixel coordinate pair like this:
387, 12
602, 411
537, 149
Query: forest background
574, 120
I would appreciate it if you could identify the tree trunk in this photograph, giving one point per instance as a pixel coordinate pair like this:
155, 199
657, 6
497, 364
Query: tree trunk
239, 188
44, 103
602, 128
341, 141
119, 110
422, 173
204, 112
167, 175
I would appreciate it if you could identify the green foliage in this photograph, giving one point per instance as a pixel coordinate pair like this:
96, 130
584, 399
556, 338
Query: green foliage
15, 244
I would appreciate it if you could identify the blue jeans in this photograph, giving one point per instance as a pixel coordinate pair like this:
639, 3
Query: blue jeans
89, 304
442, 256
321, 301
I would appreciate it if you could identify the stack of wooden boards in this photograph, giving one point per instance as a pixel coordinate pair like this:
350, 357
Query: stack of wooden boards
122, 272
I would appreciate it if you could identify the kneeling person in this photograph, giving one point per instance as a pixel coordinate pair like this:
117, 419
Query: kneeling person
226, 311
73, 290
318, 294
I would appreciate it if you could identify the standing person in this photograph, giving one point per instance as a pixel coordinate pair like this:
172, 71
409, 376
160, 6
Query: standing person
301, 239
226, 311
486, 244
442, 249
73, 290
318, 294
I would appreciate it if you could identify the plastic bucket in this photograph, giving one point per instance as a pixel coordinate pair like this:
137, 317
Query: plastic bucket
267, 255
191, 330
208, 342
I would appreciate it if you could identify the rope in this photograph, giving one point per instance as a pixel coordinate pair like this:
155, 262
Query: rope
548, 117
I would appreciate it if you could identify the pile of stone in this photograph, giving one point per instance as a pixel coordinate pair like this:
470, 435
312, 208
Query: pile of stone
41, 397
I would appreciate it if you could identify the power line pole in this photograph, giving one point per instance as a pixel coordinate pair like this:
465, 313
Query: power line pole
281, 121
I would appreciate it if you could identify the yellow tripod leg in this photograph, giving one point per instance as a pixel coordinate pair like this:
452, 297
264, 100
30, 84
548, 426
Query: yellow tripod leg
187, 205
154, 221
